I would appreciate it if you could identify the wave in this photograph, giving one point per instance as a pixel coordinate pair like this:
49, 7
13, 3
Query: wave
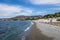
27, 31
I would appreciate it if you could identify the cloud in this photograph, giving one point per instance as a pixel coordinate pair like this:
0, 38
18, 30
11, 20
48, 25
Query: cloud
41, 12
38, 2
55, 8
11, 11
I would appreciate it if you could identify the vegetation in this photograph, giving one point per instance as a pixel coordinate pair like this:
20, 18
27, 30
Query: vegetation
52, 15
14, 19
58, 19
31, 18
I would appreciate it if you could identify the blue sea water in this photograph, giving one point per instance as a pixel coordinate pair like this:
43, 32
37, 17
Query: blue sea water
10, 30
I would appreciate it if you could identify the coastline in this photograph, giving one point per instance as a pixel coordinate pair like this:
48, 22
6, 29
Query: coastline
27, 31
36, 34
29, 26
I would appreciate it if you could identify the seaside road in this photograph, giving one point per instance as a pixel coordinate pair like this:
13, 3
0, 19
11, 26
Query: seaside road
49, 30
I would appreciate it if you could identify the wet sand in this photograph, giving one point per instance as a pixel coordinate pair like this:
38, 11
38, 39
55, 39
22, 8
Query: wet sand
36, 34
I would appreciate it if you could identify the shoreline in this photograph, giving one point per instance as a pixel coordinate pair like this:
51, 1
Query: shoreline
36, 34
29, 26
27, 31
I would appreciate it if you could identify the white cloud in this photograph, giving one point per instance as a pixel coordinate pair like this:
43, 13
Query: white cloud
38, 2
25, 12
11, 11
41, 12
55, 9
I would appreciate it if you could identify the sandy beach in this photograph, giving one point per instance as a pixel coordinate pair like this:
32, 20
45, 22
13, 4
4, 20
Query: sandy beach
43, 31
37, 35
54, 23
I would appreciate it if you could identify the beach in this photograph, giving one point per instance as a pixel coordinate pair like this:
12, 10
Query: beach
54, 23
43, 31
35, 31
36, 34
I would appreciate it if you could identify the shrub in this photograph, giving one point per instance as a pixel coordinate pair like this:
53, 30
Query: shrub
58, 19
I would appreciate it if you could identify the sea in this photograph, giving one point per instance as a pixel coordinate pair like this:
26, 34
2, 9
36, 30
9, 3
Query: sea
14, 30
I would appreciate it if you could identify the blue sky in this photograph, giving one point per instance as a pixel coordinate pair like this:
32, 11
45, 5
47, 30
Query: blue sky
12, 8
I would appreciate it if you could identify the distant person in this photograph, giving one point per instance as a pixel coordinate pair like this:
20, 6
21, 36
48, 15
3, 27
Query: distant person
51, 21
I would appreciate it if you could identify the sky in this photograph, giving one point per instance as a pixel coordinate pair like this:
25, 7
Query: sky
12, 8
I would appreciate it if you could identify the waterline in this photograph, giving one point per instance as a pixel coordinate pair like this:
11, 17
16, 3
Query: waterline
23, 37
